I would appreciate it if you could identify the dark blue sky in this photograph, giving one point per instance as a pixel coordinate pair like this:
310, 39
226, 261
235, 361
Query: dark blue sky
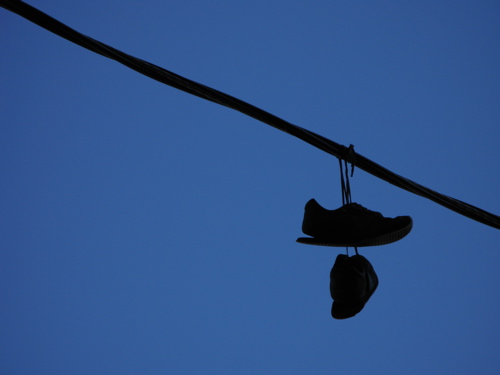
147, 231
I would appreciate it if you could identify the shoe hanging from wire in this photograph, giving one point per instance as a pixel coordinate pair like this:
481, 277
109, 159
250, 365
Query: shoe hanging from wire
351, 225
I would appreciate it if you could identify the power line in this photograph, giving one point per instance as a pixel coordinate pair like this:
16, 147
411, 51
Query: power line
169, 78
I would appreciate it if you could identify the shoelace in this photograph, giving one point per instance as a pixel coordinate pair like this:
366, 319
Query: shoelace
345, 184
360, 208
344, 181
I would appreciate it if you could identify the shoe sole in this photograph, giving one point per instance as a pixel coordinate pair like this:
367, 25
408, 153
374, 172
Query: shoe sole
374, 241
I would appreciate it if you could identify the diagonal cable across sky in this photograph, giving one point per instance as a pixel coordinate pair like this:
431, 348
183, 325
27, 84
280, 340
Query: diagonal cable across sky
174, 80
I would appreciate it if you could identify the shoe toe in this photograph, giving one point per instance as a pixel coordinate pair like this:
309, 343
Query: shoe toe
343, 310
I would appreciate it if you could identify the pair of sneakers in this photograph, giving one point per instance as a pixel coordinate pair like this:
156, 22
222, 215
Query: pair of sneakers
352, 279
352, 282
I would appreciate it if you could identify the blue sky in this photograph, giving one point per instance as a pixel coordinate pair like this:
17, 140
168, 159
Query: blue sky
147, 231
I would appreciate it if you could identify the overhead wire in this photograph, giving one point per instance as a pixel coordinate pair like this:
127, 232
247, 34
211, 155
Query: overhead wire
174, 80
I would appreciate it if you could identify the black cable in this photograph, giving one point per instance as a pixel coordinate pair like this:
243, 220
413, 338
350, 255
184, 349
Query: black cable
162, 75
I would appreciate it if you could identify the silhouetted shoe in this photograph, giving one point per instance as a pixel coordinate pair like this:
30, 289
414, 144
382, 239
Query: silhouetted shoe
352, 282
351, 225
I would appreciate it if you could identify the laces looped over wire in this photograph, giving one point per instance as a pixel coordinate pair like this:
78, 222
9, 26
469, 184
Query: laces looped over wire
349, 157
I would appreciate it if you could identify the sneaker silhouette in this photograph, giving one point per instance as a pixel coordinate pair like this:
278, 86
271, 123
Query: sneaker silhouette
351, 225
352, 282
